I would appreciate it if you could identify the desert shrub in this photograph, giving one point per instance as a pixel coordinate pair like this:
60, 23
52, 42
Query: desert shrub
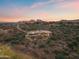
6, 50
60, 56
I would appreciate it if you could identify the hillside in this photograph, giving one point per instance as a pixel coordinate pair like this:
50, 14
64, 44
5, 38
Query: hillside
49, 40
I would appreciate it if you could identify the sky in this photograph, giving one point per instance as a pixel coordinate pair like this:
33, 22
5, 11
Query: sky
48, 10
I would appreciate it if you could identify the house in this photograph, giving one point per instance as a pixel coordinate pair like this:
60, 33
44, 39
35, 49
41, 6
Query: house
38, 34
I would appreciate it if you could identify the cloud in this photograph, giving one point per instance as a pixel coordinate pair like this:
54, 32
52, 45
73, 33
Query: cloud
74, 5
18, 11
13, 12
43, 4
6, 19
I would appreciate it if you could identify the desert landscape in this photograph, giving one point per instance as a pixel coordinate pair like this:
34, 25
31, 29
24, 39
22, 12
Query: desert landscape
40, 40
39, 29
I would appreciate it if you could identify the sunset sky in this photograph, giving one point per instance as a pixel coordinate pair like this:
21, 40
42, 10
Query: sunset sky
18, 10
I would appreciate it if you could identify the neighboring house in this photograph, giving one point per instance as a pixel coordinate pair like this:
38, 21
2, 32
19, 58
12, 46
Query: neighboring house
38, 34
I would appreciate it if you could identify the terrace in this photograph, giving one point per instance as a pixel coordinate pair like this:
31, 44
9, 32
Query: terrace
38, 34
